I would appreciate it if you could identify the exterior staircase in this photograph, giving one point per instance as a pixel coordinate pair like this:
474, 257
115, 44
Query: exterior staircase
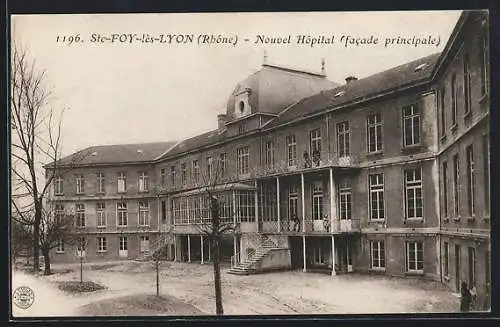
245, 268
248, 267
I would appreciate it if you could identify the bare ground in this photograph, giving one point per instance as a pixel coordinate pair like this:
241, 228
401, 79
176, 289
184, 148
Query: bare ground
291, 292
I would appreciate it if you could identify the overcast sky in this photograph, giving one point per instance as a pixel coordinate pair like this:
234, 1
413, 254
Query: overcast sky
132, 93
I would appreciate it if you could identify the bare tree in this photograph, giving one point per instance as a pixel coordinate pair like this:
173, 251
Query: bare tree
21, 239
55, 230
215, 228
36, 139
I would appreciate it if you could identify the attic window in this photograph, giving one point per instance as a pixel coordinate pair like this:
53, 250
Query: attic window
93, 154
420, 67
242, 106
140, 151
341, 93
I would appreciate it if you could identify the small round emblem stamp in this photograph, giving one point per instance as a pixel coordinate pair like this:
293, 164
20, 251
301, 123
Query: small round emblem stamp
23, 297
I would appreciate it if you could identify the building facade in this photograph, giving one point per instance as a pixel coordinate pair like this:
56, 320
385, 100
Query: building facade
387, 174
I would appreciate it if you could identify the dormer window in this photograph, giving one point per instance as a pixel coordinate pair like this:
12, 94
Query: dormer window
241, 106
341, 93
420, 67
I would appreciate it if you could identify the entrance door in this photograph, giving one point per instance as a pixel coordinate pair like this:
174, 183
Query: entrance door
472, 272
457, 267
123, 248
144, 244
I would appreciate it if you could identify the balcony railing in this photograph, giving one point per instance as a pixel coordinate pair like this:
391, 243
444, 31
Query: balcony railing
346, 226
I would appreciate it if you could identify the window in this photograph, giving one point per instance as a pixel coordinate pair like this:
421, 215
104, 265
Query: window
411, 125
470, 180
121, 209
209, 167
293, 199
377, 254
317, 200
59, 212
173, 174
270, 154
472, 267
80, 184
60, 246
58, 186
81, 244
486, 173
195, 171
414, 256
122, 182
456, 186
454, 100
345, 200
123, 243
467, 98
143, 181
343, 139
442, 107
445, 189
222, 163
374, 132
100, 183
102, 244
376, 183
163, 212
316, 141
413, 193
80, 215
242, 128
101, 214
243, 156
143, 213
163, 176
245, 204
446, 259
484, 62
291, 145
319, 255
183, 174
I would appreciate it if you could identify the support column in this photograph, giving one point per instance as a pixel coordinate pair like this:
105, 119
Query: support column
333, 256
333, 210
347, 250
303, 205
201, 243
278, 202
234, 207
175, 248
189, 248
256, 205
236, 261
209, 250
188, 213
304, 250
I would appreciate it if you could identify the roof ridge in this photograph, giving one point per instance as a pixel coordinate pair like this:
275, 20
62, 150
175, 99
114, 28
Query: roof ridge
292, 69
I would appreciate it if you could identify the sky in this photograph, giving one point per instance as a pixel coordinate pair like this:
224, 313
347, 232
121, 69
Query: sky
133, 92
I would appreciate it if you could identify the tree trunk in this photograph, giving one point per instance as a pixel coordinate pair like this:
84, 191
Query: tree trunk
36, 238
219, 310
157, 278
46, 259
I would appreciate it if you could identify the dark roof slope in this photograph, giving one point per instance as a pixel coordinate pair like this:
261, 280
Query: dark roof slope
359, 90
195, 142
119, 153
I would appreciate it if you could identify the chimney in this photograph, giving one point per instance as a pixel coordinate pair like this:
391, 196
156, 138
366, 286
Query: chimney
221, 120
350, 79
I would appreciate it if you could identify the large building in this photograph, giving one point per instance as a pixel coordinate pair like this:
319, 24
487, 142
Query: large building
388, 174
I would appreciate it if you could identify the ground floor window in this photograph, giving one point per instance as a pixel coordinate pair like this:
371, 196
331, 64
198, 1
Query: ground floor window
446, 259
472, 266
144, 243
377, 254
60, 246
245, 206
414, 256
102, 244
123, 243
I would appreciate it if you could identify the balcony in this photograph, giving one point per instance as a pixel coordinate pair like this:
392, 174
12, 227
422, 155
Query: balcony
346, 226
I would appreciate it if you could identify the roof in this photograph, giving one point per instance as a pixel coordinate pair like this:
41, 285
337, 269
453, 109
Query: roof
119, 153
218, 188
197, 141
274, 88
359, 90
